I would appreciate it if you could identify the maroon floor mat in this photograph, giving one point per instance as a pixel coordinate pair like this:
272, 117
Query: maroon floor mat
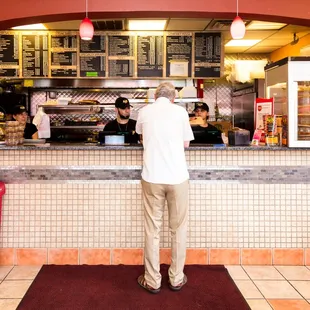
115, 287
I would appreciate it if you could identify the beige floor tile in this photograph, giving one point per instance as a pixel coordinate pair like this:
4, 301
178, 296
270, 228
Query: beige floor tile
303, 287
263, 273
258, 304
4, 270
9, 304
277, 289
237, 273
23, 273
294, 272
248, 289
14, 289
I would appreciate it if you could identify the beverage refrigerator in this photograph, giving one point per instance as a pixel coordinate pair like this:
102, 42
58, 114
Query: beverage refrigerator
288, 82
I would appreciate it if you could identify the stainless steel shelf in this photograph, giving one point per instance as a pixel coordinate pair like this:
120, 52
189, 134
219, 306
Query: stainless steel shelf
78, 127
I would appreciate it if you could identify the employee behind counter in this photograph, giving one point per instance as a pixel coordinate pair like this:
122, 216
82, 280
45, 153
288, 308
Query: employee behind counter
123, 124
19, 114
204, 133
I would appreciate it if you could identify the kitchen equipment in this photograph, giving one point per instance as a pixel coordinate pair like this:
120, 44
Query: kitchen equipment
238, 136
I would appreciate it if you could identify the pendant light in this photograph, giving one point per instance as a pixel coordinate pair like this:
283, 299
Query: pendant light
237, 27
86, 27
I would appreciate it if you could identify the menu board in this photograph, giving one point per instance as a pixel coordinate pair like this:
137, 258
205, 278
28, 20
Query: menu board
179, 55
111, 54
63, 53
121, 45
34, 55
150, 56
9, 55
63, 41
93, 57
207, 62
121, 68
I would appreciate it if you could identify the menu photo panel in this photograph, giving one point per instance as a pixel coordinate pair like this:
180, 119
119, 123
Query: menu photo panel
92, 62
63, 54
121, 55
9, 54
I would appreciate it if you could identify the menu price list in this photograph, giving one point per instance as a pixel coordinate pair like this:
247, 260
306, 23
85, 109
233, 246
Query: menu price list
150, 56
35, 55
121, 45
179, 48
9, 51
92, 66
60, 72
96, 45
63, 58
9, 72
208, 54
63, 41
121, 68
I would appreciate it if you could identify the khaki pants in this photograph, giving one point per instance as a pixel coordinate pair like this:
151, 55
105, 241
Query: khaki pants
154, 197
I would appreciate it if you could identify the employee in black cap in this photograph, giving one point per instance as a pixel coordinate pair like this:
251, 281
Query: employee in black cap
122, 123
205, 133
20, 114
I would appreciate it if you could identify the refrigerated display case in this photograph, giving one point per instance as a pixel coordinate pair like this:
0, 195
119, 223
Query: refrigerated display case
288, 82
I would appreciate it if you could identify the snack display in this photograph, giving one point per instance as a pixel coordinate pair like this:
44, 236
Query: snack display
14, 133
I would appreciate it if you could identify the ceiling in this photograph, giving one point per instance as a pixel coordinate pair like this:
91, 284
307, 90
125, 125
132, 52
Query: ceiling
271, 40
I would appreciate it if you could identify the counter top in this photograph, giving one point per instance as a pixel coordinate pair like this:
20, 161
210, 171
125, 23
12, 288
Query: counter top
92, 146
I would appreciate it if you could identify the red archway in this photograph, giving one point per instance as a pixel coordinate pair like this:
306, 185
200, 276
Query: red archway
20, 12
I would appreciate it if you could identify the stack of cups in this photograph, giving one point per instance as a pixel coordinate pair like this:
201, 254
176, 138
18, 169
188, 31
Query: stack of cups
14, 133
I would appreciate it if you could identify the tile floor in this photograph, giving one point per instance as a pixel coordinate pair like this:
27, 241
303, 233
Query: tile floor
264, 287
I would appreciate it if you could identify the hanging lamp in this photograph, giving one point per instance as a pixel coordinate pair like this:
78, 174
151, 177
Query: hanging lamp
86, 27
237, 27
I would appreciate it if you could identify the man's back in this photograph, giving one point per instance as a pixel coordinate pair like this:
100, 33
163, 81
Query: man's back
165, 127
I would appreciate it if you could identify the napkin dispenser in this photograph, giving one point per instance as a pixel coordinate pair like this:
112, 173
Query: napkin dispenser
238, 136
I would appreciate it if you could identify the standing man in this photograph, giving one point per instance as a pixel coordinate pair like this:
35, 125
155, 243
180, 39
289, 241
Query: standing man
123, 123
165, 132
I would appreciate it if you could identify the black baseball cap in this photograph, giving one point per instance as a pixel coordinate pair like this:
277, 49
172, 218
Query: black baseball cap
122, 103
201, 105
18, 109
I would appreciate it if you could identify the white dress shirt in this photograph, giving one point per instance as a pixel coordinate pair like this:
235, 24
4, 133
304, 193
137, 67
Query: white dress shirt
164, 126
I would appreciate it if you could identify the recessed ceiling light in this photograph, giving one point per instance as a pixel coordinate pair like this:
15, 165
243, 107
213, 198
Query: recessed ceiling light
242, 42
142, 24
31, 27
258, 25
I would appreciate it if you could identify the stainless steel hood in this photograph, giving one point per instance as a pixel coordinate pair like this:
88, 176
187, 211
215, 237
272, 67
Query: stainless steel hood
107, 83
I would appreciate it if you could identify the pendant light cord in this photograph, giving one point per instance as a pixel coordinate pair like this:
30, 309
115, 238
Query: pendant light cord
237, 8
86, 4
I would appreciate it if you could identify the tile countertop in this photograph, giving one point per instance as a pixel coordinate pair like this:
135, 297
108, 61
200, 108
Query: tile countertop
92, 146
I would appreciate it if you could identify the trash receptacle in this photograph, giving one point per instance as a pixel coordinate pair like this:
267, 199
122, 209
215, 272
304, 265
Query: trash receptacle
2, 192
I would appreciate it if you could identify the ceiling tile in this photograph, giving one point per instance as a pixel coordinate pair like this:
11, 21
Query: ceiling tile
273, 42
187, 24
235, 49
262, 49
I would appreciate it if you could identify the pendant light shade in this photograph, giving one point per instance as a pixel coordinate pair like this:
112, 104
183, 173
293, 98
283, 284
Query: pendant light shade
237, 28
86, 29
86, 26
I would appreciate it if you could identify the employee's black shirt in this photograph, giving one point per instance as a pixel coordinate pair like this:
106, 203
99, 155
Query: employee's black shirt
30, 129
129, 130
207, 135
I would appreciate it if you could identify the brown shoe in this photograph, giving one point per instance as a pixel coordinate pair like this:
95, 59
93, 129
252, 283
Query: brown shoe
179, 286
142, 283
